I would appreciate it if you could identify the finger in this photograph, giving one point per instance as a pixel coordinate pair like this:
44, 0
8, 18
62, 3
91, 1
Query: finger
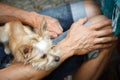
57, 29
60, 27
101, 46
101, 24
57, 24
82, 21
105, 32
54, 28
53, 35
53, 25
105, 39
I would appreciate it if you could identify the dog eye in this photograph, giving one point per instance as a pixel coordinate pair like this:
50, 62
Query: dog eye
43, 56
26, 50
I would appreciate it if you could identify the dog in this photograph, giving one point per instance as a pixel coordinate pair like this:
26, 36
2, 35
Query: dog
29, 47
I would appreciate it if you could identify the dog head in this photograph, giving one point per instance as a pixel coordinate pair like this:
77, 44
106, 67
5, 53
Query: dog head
37, 49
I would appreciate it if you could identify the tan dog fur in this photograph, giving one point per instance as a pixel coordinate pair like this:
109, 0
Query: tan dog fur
29, 47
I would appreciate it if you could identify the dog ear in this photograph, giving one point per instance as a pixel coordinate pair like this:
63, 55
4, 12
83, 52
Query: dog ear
42, 27
25, 50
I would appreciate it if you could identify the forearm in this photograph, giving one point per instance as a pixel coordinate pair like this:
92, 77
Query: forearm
9, 13
19, 71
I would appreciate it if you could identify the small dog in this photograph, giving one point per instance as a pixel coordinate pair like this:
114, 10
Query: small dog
28, 46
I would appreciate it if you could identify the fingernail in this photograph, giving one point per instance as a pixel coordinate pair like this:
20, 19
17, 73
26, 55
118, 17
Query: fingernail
55, 35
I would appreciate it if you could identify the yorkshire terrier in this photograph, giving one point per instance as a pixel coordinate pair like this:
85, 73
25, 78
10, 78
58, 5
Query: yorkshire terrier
29, 47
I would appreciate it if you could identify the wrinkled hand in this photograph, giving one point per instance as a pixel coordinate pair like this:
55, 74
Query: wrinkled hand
53, 25
84, 39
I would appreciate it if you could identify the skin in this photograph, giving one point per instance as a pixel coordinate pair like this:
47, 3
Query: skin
87, 44
93, 68
78, 36
9, 13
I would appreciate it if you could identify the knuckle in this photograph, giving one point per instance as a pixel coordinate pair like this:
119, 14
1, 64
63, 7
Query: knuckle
107, 39
94, 42
111, 38
103, 39
95, 34
103, 23
110, 31
108, 21
105, 31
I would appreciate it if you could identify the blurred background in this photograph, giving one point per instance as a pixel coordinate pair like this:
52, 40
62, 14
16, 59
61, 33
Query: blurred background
36, 5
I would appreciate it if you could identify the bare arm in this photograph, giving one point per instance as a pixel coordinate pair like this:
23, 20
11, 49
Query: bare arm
10, 13
19, 71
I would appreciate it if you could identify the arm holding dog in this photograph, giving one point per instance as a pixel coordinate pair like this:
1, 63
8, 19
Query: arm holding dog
9, 13
21, 71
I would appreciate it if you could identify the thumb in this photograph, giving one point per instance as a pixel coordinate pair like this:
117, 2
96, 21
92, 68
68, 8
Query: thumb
82, 21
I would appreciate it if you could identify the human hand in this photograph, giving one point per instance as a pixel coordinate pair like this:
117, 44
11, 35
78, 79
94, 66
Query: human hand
84, 39
53, 25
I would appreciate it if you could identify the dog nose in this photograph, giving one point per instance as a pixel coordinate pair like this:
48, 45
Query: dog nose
57, 58
43, 56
